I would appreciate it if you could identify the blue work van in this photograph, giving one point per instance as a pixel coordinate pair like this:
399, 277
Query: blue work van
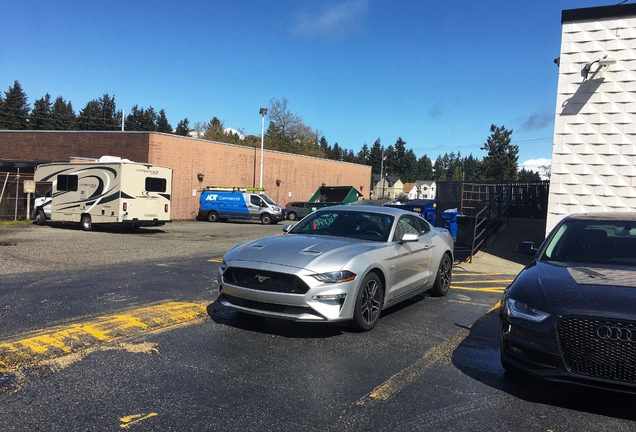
223, 203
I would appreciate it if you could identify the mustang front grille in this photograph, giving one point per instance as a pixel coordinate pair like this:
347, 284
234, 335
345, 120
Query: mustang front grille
264, 280
599, 347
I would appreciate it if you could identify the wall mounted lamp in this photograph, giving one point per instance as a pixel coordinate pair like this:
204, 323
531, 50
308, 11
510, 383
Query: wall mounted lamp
200, 177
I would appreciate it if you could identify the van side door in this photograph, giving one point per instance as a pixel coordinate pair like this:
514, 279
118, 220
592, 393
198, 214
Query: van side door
255, 205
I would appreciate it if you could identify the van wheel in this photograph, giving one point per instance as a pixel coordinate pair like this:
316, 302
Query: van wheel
266, 219
40, 217
213, 217
86, 222
291, 216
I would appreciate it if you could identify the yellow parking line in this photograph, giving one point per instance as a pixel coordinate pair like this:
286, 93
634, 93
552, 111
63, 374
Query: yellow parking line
409, 374
484, 289
400, 380
482, 281
215, 260
29, 349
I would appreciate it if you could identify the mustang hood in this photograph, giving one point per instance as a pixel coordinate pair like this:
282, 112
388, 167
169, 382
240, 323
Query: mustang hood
577, 289
298, 250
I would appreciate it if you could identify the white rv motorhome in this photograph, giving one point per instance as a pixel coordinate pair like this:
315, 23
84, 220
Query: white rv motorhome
107, 192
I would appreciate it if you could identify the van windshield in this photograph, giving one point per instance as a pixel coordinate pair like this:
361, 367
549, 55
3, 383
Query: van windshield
267, 199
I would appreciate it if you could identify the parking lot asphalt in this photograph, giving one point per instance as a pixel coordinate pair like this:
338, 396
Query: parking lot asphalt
31, 248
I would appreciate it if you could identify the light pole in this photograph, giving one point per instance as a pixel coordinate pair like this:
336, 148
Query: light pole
263, 112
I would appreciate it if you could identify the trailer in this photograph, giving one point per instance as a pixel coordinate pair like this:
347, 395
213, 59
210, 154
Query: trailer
122, 192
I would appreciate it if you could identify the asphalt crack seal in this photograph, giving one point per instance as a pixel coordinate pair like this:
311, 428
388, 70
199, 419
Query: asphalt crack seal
28, 350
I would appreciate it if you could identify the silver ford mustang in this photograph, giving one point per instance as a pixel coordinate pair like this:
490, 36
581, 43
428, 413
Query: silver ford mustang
340, 263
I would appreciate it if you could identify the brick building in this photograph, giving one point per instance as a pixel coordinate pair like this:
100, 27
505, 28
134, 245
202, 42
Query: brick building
196, 163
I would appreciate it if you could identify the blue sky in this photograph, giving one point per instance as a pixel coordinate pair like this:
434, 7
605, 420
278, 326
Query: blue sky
435, 73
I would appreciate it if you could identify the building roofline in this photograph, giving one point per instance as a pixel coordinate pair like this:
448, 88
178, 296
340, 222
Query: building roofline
599, 12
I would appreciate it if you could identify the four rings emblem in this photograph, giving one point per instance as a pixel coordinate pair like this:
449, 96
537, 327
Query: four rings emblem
261, 279
614, 333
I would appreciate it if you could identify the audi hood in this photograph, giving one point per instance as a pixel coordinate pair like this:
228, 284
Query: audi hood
576, 289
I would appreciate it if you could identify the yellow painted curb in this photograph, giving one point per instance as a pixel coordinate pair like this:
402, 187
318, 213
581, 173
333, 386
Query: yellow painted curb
29, 349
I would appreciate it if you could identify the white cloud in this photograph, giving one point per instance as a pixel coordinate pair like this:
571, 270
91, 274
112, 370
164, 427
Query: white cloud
335, 20
535, 165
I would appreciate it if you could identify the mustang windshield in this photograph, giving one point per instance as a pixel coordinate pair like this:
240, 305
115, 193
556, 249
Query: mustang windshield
592, 241
342, 223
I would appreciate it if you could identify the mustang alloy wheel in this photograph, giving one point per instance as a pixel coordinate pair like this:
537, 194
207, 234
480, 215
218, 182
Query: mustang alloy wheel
443, 279
368, 303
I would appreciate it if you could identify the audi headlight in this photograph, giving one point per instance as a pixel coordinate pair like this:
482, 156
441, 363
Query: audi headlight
520, 310
335, 277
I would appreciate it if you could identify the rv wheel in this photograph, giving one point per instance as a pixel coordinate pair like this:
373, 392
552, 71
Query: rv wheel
40, 217
213, 217
266, 219
87, 223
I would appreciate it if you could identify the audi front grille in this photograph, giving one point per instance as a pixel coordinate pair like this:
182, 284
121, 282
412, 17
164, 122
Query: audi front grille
599, 347
265, 280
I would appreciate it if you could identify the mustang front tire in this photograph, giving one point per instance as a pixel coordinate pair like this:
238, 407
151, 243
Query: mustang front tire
368, 303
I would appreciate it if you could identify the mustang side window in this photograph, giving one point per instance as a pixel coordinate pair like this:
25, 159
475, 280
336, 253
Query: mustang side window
407, 224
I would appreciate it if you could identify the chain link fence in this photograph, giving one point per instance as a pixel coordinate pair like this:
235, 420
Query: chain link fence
13, 200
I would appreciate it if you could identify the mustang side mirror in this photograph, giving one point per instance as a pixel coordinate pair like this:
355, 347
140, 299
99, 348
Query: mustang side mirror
526, 248
409, 237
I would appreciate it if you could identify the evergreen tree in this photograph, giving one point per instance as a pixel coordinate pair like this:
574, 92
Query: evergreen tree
528, 175
472, 169
409, 167
439, 170
425, 168
349, 156
150, 120
336, 153
135, 119
41, 117
162, 123
15, 108
100, 115
89, 117
399, 163
501, 162
214, 131
324, 147
363, 155
2, 116
110, 118
62, 115
375, 156
183, 127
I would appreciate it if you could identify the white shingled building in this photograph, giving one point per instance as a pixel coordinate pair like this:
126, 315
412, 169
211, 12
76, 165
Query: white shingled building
594, 152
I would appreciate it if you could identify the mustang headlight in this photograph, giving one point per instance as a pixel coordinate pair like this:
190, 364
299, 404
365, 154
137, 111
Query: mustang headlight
520, 310
335, 277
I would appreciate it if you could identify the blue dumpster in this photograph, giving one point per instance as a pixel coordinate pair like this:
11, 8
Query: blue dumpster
427, 208
450, 221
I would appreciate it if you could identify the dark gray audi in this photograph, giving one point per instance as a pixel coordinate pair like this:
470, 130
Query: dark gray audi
570, 315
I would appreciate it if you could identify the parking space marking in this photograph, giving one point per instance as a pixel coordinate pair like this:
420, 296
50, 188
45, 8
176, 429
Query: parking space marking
31, 348
130, 420
409, 374
216, 260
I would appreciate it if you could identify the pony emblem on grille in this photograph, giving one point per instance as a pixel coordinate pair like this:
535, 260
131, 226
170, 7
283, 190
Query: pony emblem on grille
261, 279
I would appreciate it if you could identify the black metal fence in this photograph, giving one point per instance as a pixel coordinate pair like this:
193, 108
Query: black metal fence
527, 200
13, 200
485, 206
